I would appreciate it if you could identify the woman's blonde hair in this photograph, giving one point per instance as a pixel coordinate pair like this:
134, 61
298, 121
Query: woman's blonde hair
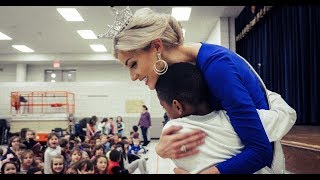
146, 26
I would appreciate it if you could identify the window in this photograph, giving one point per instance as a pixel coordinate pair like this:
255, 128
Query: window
65, 75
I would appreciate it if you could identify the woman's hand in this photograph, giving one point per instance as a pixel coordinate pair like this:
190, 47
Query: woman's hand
171, 145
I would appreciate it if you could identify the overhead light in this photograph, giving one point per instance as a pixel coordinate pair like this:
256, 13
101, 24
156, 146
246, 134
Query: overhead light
184, 32
69, 74
70, 14
98, 47
4, 37
87, 34
22, 48
56, 63
181, 13
53, 75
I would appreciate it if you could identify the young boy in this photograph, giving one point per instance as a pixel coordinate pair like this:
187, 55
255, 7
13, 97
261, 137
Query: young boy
136, 149
184, 95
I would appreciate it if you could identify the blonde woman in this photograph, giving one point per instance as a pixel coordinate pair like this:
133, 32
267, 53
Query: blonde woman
148, 42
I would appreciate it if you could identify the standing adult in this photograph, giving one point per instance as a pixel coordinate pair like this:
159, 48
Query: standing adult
145, 123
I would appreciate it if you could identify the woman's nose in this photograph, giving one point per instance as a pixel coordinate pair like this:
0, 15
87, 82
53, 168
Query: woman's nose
134, 76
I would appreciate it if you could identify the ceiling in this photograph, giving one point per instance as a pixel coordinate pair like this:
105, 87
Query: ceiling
45, 31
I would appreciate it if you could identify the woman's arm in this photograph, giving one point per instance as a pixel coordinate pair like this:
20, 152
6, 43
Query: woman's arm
225, 83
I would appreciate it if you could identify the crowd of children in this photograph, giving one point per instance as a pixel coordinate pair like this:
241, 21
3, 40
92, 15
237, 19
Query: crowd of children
94, 152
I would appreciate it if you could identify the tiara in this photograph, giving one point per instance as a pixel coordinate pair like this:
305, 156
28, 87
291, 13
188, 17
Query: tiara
122, 19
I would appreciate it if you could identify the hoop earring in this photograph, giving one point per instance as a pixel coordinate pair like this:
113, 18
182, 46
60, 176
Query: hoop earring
165, 68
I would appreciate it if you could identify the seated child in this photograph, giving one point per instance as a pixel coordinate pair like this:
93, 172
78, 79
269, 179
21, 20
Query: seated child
9, 167
85, 155
30, 140
113, 165
85, 167
27, 161
134, 133
75, 156
98, 150
105, 141
183, 93
136, 149
101, 165
38, 161
57, 165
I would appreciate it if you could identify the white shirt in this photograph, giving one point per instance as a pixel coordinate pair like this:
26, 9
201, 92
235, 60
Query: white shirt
49, 154
222, 142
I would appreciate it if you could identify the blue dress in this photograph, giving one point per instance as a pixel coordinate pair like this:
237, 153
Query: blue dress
236, 89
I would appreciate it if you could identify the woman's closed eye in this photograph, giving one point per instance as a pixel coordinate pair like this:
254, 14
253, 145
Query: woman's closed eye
133, 65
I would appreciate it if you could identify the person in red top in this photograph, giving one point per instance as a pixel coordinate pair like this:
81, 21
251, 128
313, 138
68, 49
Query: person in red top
114, 165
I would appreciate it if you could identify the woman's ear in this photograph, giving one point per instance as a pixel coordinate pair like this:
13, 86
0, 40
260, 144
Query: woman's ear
157, 44
177, 107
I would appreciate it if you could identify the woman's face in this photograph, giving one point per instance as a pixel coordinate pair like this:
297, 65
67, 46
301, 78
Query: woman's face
141, 65
10, 169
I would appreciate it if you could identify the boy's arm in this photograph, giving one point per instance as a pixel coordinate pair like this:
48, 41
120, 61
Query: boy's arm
279, 119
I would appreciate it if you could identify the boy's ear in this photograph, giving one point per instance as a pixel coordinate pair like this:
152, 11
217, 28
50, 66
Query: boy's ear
177, 106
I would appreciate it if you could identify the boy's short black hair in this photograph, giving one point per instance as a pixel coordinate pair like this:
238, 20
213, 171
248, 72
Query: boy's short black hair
183, 82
